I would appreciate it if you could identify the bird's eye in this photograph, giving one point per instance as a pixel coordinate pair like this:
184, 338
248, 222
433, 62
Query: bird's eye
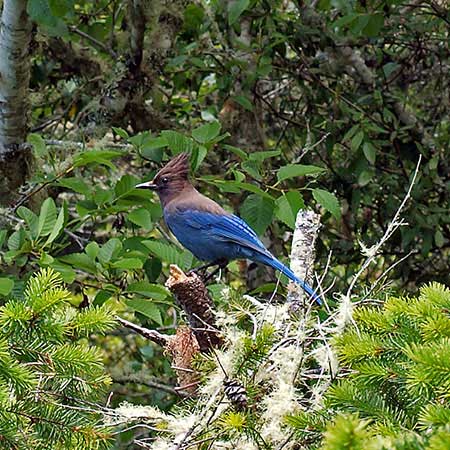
164, 180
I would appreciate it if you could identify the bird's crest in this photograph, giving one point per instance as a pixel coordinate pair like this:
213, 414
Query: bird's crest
178, 166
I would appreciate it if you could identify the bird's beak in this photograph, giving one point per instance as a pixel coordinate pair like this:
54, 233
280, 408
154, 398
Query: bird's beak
147, 185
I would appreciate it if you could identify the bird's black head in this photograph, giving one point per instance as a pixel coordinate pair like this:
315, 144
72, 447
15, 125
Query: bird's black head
171, 179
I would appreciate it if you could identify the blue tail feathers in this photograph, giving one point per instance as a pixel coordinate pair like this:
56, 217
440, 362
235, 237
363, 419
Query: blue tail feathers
278, 265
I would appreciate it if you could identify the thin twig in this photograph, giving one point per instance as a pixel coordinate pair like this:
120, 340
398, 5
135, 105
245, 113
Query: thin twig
82, 145
151, 384
372, 288
34, 191
153, 335
94, 41
394, 224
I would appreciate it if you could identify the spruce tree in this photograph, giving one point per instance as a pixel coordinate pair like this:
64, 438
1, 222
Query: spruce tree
50, 375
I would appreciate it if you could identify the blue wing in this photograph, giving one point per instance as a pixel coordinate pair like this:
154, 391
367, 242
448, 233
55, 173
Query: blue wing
212, 236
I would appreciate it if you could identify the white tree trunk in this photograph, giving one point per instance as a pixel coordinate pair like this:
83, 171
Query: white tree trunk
15, 32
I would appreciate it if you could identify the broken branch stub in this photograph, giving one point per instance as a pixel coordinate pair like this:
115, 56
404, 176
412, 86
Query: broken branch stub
303, 252
191, 294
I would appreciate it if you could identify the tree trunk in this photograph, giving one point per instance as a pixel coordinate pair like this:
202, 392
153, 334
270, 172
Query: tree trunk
15, 32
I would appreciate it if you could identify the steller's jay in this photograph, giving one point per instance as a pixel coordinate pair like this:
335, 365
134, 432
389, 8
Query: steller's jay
205, 228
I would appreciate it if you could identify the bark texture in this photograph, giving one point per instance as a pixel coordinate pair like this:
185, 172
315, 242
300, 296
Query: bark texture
306, 231
192, 295
15, 32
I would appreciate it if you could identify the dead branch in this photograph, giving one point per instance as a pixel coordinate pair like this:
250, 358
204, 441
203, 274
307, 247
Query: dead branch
192, 295
303, 253
152, 335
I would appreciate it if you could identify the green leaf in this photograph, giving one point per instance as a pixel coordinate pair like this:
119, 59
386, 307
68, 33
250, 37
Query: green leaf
193, 17
287, 206
80, 261
67, 273
257, 211
350, 133
102, 196
343, 21
155, 291
121, 132
244, 102
237, 151
3, 234
235, 10
141, 217
206, 132
47, 217
356, 140
57, 228
152, 148
60, 8
359, 24
328, 201
298, 170
109, 250
92, 250
16, 239
263, 155
374, 25
252, 167
128, 263
169, 253
197, 156
177, 142
38, 143
370, 152
365, 176
439, 238
389, 68
31, 220
125, 186
101, 297
40, 12
96, 157
145, 307
6, 286
46, 259
75, 184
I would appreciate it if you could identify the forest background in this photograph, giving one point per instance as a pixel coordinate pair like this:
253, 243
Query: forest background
341, 107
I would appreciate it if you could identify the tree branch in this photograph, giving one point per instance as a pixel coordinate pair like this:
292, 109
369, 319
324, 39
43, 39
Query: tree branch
192, 295
306, 230
153, 335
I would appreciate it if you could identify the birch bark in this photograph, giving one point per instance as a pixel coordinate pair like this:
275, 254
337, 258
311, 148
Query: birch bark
15, 32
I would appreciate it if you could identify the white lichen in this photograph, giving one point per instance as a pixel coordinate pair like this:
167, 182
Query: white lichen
283, 398
344, 315
128, 413
327, 359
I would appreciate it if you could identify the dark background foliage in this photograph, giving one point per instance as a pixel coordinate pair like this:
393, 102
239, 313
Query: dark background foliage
365, 81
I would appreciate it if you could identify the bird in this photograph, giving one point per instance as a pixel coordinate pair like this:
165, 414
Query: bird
206, 229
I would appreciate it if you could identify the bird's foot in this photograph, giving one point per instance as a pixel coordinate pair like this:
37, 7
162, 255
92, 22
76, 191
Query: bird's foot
201, 271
